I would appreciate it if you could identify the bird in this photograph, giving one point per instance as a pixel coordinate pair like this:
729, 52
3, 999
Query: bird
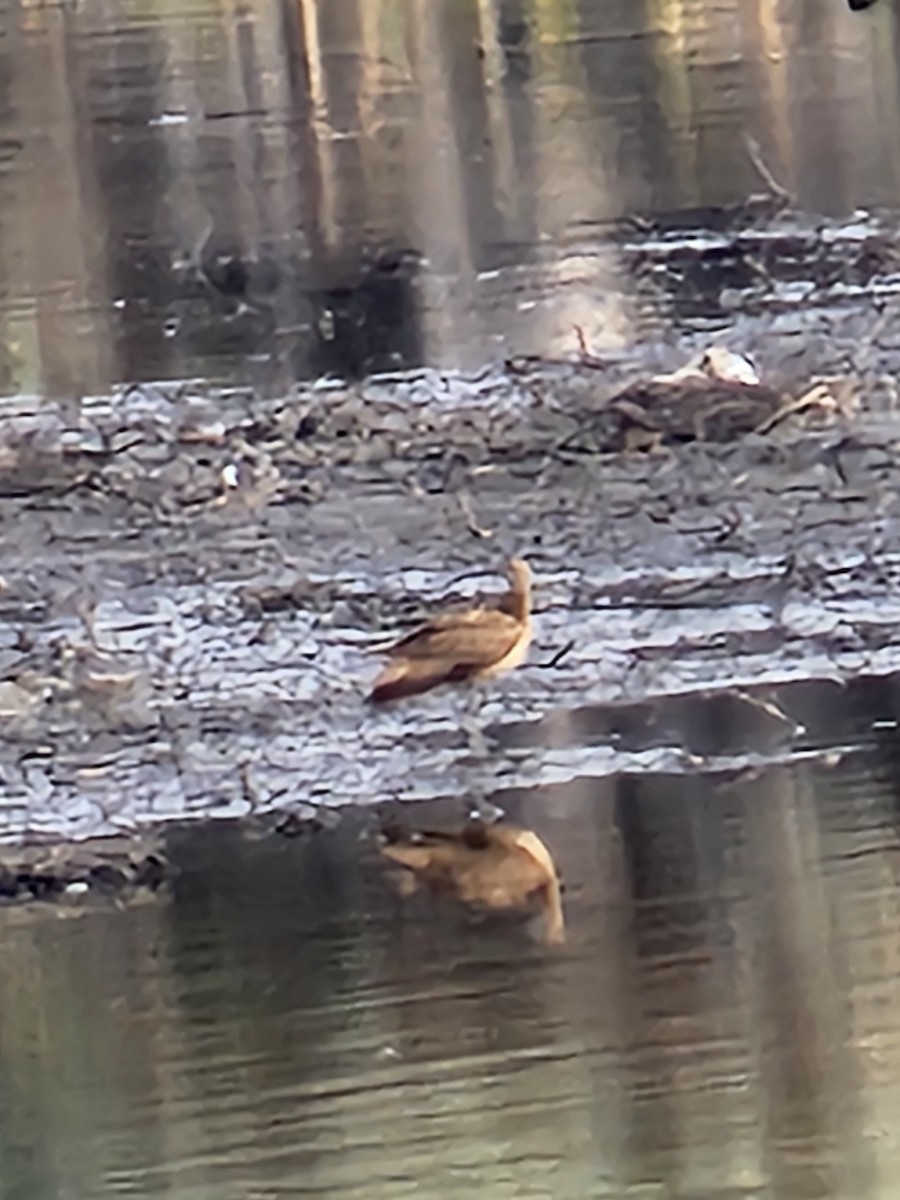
491, 867
470, 646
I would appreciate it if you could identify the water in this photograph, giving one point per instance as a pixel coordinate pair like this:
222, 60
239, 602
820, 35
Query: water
268, 191
719, 1022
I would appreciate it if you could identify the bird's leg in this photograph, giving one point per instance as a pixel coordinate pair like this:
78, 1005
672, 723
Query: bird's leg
472, 707
481, 811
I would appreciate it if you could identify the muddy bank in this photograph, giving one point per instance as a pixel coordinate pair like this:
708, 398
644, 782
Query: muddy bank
190, 579
118, 867
714, 741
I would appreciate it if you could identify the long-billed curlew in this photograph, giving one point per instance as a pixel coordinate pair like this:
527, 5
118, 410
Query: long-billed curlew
470, 646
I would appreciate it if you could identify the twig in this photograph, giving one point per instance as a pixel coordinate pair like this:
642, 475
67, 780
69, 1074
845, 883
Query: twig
249, 790
585, 357
817, 396
465, 504
557, 658
756, 158
771, 709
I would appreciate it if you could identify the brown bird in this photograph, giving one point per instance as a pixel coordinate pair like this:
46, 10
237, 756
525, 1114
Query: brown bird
461, 647
489, 867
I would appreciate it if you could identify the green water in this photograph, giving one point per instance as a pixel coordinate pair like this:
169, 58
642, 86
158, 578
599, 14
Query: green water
721, 1021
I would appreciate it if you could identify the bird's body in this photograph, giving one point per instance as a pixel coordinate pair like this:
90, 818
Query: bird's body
493, 867
462, 647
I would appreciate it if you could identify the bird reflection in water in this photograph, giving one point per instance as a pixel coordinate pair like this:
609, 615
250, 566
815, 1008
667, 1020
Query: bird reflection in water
486, 867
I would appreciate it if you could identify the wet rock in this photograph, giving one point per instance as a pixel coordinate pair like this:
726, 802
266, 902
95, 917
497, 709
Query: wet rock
9, 882
178, 476
106, 877
298, 593
175, 455
307, 427
17, 700
85, 440
113, 865
149, 872
40, 884
294, 825
202, 428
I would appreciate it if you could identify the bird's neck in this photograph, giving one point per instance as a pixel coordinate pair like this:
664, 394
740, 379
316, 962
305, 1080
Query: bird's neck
518, 603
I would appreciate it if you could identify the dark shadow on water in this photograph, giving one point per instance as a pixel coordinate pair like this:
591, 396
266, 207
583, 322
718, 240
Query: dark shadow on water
796, 716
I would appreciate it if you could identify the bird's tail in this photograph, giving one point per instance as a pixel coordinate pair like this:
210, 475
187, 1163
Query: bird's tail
555, 929
414, 858
409, 677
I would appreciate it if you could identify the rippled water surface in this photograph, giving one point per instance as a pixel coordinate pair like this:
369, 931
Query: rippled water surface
720, 1022
266, 191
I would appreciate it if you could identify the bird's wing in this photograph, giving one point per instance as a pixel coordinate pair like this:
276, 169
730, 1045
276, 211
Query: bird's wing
480, 636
